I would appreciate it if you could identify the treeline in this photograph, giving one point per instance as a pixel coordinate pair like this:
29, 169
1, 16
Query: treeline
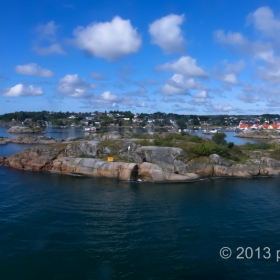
35, 116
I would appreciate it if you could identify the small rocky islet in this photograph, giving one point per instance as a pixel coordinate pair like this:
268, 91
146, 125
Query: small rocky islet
146, 159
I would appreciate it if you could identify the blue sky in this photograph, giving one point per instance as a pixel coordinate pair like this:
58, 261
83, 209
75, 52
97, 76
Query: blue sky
187, 57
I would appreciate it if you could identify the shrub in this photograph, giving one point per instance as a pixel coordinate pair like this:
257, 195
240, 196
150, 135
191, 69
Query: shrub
230, 145
256, 146
219, 138
206, 149
195, 139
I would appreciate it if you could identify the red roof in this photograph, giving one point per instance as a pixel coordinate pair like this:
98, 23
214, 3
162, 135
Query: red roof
265, 125
243, 125
275, 126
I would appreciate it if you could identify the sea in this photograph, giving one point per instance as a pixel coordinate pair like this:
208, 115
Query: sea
60, 227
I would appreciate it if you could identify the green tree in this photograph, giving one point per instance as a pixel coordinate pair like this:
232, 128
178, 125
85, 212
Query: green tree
219, 138
195, 122
182, 123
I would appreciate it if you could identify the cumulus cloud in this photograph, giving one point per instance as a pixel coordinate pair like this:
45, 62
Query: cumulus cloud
230, 78
107, 96
52, 49
237, 43
167, 99
73, 86
109, 40
200, 98
166, 33
222, 107
97, 76
228, 73
142, 104
270, 72
185, 66
20, 90
202, 94
33, 69
178, 84
263, 20
47, 31
106, 100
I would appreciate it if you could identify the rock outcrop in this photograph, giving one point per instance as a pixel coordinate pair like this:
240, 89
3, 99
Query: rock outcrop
82, 148
36, 159
2, 160
261, 134
93, 167
120, 170
25, 129
66, 159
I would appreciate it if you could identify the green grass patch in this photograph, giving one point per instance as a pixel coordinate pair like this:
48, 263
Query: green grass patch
256, 146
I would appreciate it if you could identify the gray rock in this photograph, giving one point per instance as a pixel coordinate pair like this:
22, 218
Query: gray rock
216, 159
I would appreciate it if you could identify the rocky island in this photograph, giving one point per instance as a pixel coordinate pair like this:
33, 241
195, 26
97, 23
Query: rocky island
260, 134
167, 157
25, 129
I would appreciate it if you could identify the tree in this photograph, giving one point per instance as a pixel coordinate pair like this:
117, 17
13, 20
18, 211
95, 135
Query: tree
219, 138
182, 123
195, 122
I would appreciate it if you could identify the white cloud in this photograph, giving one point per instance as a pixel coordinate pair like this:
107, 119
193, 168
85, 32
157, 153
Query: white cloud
166, 33
185, 66
109, 40
47, 31
228, 73
178, 84
107, 96
20, 91
73, 86
222, 107
263, 20
202, 94
230, 78
167, 99
107, 100
97, 76
52, 49
200, 98
142, 104
173, 89
236, 42
270, 72
33, 69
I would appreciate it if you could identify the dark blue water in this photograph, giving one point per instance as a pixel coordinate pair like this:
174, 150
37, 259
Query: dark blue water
62, 227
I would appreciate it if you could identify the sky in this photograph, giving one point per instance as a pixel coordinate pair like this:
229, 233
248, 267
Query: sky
186, 57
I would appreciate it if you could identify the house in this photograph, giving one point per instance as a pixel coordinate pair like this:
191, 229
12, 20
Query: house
265, 126
273, 126
243, 126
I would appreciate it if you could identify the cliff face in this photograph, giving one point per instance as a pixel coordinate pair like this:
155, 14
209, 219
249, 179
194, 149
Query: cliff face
163, 164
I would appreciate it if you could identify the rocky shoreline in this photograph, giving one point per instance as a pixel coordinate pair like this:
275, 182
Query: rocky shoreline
145, 163
260, 134
25, 129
